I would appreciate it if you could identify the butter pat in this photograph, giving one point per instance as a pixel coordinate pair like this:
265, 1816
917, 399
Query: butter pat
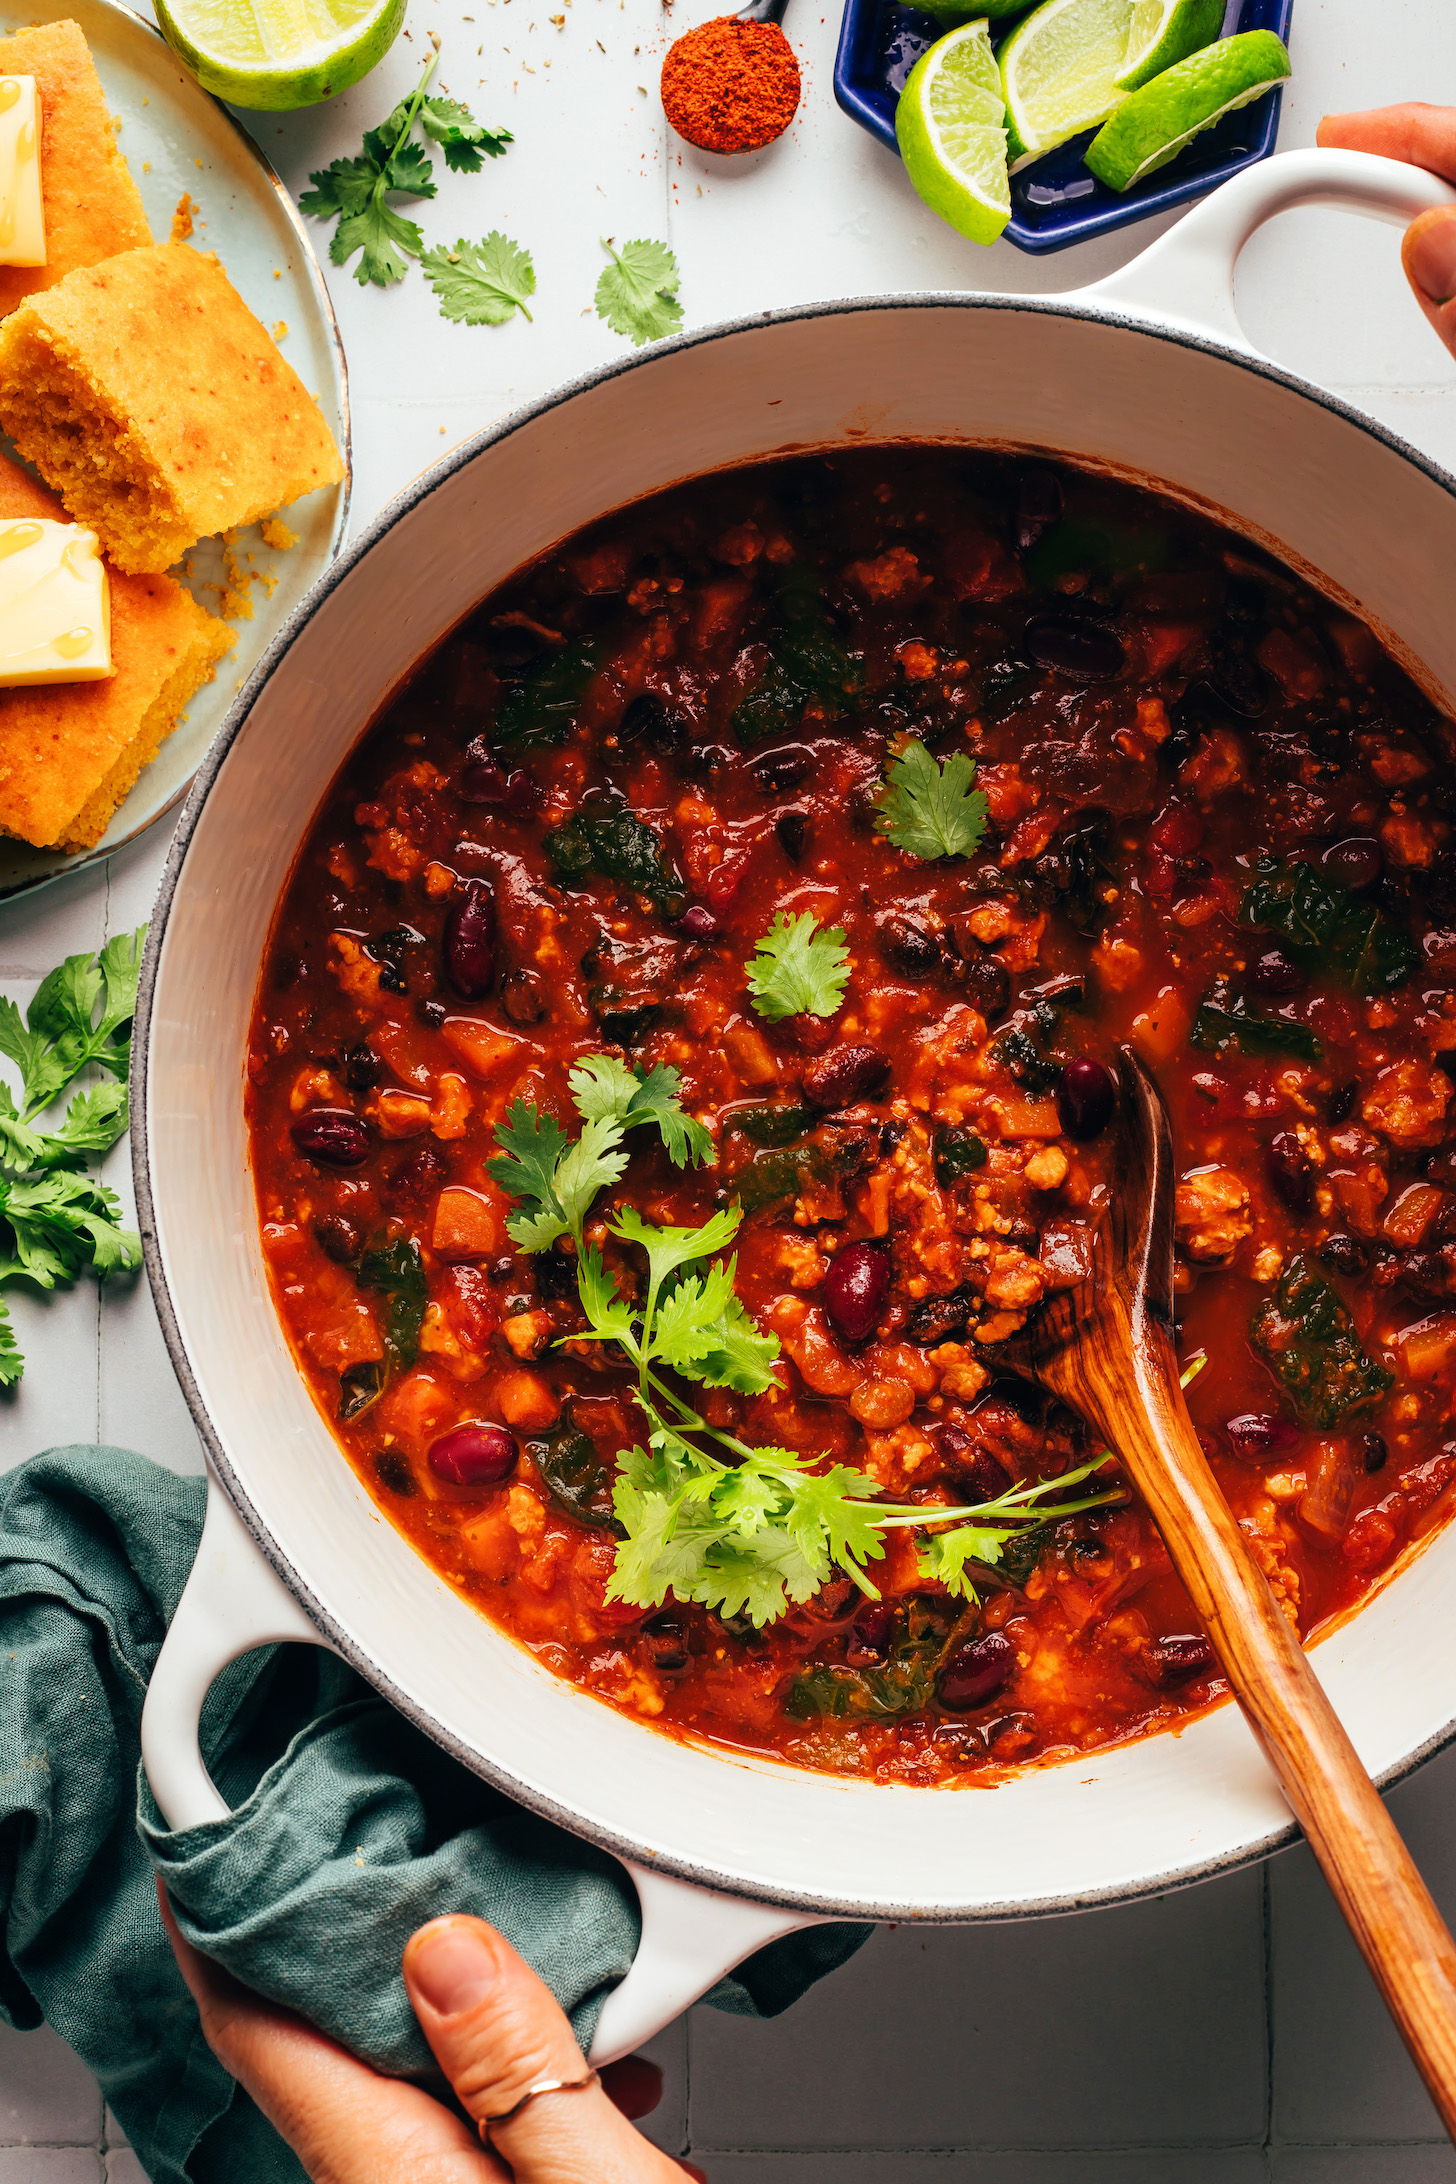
22, 221
55, 606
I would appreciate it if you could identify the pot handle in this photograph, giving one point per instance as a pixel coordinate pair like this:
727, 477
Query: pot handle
233, 1601
1186, 278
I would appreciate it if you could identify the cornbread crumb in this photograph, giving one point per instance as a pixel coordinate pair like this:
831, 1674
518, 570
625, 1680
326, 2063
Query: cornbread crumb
150, 398
277, 534
91, 204
182, 219
280, 330
69, 752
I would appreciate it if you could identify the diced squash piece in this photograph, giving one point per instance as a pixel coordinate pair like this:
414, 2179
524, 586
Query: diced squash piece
479, 1045
466, 1226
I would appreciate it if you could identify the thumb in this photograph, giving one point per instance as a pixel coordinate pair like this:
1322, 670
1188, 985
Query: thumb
497, 2030
1429, 257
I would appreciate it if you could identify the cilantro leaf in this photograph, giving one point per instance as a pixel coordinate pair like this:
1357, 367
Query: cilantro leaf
602, 1086
796, 970
375, 232
702, 1329
668, 1249
637, 294
460, 136
944, 1557
62, 1223
12, 1364
931, 811
552, 1178
481, 284
59, 1037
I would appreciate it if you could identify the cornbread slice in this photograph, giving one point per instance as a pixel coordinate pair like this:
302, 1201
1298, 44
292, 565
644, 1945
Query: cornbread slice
147, 394
70, 751
91, 204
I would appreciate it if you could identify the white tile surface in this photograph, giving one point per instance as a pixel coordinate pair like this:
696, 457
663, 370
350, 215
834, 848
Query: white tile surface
1130, 2046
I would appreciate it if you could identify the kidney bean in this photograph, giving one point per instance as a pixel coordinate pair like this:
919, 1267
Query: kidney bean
331, 1135
698, 923
909, 946
974, 1466
484, 782
1344, 1254
869, 1638
845, 1075
1082, 651
1256, 1434
1354, 863
723, 884
338, 1238
1374, 1451
783, 769
855, 1290
1086, 1098
977, 1671
1176, 1659
1289, 1171
664, 1640
474, 1455
469, 945
987, 984
1276, 971
524, 796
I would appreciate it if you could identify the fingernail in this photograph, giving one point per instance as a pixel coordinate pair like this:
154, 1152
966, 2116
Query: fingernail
452, 1967
1432, 259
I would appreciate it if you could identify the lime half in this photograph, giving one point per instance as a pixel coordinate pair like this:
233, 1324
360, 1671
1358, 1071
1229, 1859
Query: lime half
1152, 125
948, 123
1059, 72
1164, 32
274, 54
947, 12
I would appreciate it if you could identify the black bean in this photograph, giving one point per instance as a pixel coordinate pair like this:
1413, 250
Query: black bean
1341, 1101
783, 769
792, 831
521, 997
469, 944
977, 1671
1290, 1174
987, 984
984, 1479
474, 1455
661, 724
338, 1238
1354, 863
1373, 1451
333, 1136
1244, 603
361, 1068
663, 1639
938, 1319
416, 1178
555, 1273
1083, 651
909, 946
855, 1290
1343, 1254
1086, 1098
1276, 971
845, 1075
1239, 681
1176, 1659
432, 1013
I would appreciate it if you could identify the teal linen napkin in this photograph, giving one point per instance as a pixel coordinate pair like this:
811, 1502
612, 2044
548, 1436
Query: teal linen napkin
349, 1830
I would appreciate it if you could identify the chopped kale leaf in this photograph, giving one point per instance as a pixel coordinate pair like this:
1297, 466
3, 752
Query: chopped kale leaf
614, 841
397, 1271
574, 1475
1224, 1019
808, 661
783, 1124
1326, 924
1310, 1342
773, 1176
903, 1685
957, 1152
541, 709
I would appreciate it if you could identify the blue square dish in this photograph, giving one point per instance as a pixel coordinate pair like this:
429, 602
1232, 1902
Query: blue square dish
1056, 201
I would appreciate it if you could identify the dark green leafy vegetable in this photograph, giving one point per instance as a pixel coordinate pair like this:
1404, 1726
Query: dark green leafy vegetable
781, 1125
397, 1272
1311, 1344
904, 1684
957, 1152
616, 842
1224, 1019
540, 709
1330, 928
808, 662
392, 1468
1031, 1068
1074, 547
574, 1475
62, 1035
360, 1386
771, 1177
623, 1019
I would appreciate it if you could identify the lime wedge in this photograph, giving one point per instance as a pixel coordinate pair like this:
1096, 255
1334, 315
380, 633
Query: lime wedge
273, 54
1152, 125
1164, 32
1059, 71
948, 123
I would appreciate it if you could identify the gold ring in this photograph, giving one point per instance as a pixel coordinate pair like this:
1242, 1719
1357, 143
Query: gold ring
533, 2093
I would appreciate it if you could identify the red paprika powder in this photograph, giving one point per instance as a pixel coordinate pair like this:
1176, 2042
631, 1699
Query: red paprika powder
730, 86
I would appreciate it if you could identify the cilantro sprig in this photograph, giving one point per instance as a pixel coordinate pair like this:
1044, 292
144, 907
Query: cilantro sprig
55, 1219
637, 293
928, 809
796, 970
357, 192
704, 1515
481, 284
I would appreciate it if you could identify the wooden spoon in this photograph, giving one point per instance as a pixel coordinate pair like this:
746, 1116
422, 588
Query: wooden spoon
1105, 1349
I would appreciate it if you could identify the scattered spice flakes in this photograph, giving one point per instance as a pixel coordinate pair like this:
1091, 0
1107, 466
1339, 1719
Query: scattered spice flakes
182, 219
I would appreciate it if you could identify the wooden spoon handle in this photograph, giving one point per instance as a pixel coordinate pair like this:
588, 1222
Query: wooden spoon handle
1371, 1873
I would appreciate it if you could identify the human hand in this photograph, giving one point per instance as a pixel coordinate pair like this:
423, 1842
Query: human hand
496, 2029
1422, 136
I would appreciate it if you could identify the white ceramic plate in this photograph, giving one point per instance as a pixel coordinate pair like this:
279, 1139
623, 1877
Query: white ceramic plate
176, 137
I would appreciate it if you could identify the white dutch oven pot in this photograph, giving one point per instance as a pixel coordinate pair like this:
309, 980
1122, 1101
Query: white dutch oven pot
1147, 373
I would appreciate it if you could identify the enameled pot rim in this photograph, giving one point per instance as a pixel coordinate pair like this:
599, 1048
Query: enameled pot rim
419, 491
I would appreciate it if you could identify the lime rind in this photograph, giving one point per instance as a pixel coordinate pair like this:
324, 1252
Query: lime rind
1164, 32
1153, 125
1058, 71
948, 126
275, 55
